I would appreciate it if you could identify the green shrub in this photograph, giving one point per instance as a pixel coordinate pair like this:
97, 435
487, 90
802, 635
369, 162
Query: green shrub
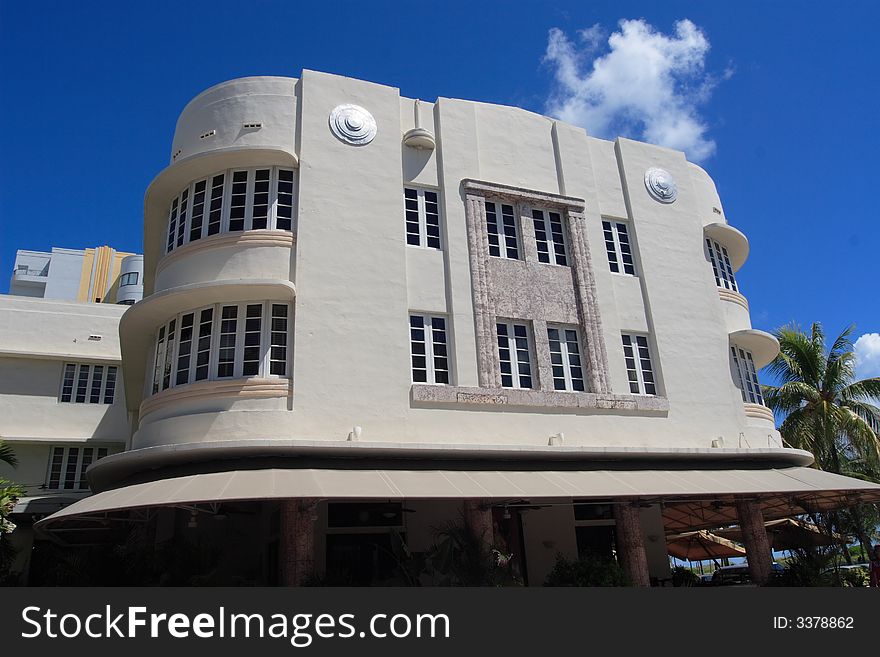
588, 571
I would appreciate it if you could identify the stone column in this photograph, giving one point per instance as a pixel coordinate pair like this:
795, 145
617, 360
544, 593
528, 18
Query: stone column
630, 543
754, 538
588, 305
478, 515
296, 553
488, 370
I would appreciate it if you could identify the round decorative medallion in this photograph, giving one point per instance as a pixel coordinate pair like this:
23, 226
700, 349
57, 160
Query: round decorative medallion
353, 124
661, 185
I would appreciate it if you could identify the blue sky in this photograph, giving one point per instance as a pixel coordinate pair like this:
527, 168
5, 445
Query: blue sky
779, 101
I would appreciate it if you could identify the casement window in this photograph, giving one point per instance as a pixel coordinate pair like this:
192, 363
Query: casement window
84, 383
639, 370
514, 354
68, 465
130, 278
549, 237
501, 225
565, 358
422, 212
618, 247
429, 349
744, 366
223, 341
231, 201
721, 266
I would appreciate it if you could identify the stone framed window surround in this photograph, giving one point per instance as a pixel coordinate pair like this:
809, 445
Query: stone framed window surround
539, 293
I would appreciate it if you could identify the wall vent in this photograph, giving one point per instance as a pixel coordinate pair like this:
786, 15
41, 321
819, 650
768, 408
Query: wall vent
210, 133
174, 157
716, 210
95, 338
253, 126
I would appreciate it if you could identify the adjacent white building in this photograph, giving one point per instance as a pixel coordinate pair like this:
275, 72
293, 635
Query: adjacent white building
363, 311
62, 401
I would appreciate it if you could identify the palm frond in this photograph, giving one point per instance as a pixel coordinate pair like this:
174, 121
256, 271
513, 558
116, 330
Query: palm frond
7, 455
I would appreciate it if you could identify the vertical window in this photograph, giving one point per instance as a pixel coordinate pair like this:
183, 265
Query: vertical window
70, 478
618, 247
514, 354
203, 347
160, 359
238, 200
252, 333
422, 214
721, 266
68, 465
228, 331
428, 348
97, 382
198, 211
215, 211
260, 213
82, 384
110, 387
172, 225
182, 217
748, 376
549, 237
501, 226
169, 355
638, 365
278, 340
565, 359
184, 349
67, 382
284, 212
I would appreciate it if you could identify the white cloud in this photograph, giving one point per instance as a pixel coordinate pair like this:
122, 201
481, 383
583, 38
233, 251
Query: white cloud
646, 85
867, 349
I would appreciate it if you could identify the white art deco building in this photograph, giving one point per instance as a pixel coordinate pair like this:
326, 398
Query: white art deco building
363, 312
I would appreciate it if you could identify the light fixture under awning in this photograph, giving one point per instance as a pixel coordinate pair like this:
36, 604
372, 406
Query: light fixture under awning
783, 491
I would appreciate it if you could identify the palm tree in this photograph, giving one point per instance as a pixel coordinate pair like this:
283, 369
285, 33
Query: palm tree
825, 410
6, 454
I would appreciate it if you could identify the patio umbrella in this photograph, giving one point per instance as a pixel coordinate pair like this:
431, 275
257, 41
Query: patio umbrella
701, 545
786, 533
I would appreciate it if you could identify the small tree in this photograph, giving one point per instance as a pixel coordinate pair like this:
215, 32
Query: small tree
9, 496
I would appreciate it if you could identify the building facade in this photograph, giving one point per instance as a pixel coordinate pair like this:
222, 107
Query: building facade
62, 401
365, 312
99, 275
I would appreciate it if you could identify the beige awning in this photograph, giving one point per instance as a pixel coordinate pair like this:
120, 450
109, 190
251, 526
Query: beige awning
692, 499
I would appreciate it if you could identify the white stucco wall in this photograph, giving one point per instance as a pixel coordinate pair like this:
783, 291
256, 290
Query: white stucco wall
356, 280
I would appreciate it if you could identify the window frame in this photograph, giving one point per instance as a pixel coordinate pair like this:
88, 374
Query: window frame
504, 251
744, 366
568, 377
546, 226
106, 385
126, 277
614, 247
721, 265
637, 342
179, 229
510, 335
427, 324
422, 218
80, 465
167, 336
